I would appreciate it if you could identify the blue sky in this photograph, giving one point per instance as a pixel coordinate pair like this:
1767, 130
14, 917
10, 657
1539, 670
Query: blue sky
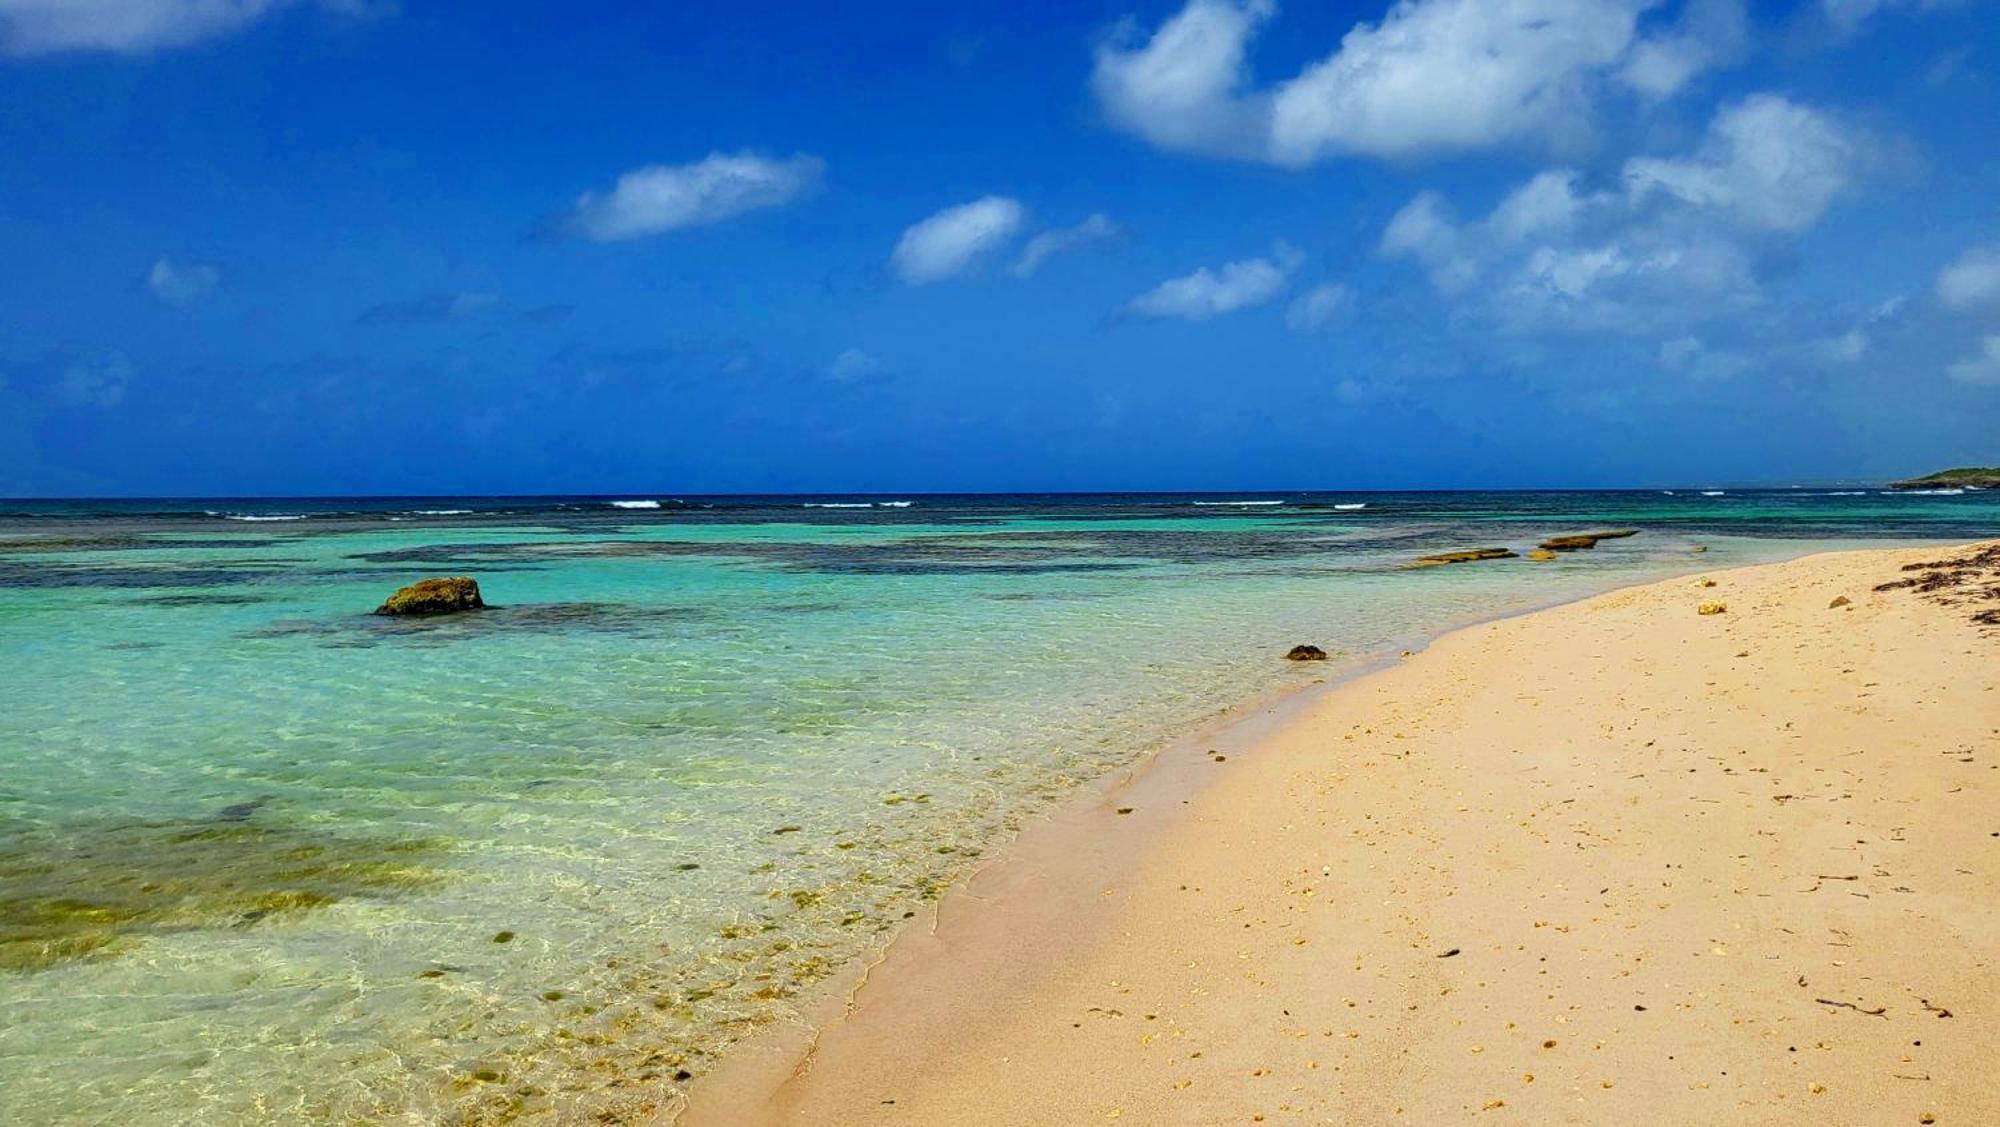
347, 246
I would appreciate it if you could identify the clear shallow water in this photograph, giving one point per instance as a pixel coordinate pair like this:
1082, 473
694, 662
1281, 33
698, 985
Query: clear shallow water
256, 845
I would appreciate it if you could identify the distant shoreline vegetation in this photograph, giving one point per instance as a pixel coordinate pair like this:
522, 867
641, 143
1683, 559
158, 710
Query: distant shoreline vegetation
1964, 477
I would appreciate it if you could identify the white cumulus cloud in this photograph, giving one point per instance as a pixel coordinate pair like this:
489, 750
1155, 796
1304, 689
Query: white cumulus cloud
660, 198
952, 240
1185, 87
1670, 248
1974, 279
182, 285
1448, 75
1208, 293
1095, 229
1766, 160
1431, 77
1674, 247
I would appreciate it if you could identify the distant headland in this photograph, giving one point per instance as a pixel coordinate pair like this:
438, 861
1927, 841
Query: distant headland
1965, 477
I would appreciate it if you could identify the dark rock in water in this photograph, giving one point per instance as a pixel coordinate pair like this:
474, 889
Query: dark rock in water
434, 596
1580, 540
1466, 556
1306, 653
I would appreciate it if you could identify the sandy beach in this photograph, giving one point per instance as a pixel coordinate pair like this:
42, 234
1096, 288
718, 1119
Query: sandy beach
1618, 861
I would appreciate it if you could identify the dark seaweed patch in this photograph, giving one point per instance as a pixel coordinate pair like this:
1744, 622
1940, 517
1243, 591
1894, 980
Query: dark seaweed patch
544, 618
95, 890
18, 574
1961, 581
215, 600
1024, 552
470, 555
117, 542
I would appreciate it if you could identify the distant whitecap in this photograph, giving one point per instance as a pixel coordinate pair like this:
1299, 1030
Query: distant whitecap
635, 504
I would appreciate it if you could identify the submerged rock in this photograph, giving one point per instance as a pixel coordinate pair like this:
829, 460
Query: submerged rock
1306, 653
1465, 556
1541, 555
434, 596
1582, 540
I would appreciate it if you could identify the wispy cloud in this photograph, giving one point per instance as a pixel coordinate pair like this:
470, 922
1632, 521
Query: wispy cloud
853, 365
1693, 357
181, 285
949, 242
1982, 367
134, 27
93, 381
1847, 16
1317, 309
1972, 280
1210, 293
1432, 77
1095, 229
1708, 34
553, 314
660, 198
432, 309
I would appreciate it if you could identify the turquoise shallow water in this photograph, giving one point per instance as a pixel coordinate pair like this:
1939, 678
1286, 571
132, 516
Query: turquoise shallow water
257, 846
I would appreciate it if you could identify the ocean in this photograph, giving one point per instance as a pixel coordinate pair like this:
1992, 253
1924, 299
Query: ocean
265, 856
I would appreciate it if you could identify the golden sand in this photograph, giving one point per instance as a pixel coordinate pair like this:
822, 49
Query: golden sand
1616, 862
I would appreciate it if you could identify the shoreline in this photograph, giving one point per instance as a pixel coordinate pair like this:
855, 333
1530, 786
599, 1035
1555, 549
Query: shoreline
1062, 881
